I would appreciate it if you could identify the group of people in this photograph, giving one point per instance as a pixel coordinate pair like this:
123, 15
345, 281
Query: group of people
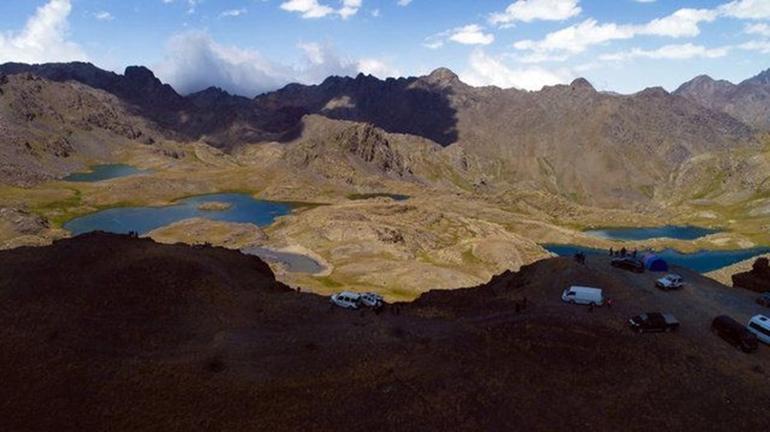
623, 252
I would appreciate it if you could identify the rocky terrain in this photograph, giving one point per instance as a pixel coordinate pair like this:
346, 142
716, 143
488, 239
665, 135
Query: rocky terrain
50, 129
596, 148
490, 174
747, 101
112, 332
757, 279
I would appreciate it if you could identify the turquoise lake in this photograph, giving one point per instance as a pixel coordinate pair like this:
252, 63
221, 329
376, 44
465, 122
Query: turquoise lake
647, 233
702, 261
243, 209
103, 172
394, 197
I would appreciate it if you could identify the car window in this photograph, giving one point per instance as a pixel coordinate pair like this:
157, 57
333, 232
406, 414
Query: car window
760, 329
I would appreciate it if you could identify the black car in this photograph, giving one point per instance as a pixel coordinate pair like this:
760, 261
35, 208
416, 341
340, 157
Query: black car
627, 263
654, 322
735, 333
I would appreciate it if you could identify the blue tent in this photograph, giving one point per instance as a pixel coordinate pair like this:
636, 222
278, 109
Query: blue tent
655, 263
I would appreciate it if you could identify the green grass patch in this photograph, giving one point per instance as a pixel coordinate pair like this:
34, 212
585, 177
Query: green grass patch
470, 258
328, 282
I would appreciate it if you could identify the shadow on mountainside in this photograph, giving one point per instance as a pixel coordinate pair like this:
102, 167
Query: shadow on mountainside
412, 111
416, 106
105, 331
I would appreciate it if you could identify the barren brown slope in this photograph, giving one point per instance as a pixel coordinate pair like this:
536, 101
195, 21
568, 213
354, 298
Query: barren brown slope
747, 101
108, 332
594, 147
48, 129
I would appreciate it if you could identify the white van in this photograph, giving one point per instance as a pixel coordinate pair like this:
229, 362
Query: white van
583, 295
347, 300
760, 326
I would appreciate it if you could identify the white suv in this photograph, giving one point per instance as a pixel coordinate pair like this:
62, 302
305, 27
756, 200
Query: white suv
372, 300
670, 282
347, 300
760, 326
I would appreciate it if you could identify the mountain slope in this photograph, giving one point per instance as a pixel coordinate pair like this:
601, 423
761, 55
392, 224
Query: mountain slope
48, 129
170, 337
591, 147
596, 147
748, 101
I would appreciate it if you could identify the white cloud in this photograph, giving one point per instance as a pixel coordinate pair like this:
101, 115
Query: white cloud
321, 62
645, 1
683, 22
532, 10
195, 61
313, 9
670, 52
577, 38
746, 9
379, 68
487, 70
43, 38
233, 13
762, 47
471, 35
349, 8
404, 2
104, 16
308, 8
760, 29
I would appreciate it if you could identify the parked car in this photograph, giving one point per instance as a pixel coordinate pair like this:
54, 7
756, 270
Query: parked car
670, 281
735, 333
347, 300
583, 295
628, 263
654, 322
760, 326
372, 300
764, 299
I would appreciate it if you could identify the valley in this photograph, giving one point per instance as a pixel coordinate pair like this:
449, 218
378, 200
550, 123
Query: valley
371, 200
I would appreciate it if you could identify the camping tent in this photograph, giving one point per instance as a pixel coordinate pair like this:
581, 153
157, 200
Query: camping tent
655, 263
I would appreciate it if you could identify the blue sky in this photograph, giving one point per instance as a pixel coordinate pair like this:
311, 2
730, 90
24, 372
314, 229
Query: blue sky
251, 46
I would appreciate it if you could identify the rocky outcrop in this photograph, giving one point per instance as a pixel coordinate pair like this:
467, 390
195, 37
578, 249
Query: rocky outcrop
22, 221
371, 146
48, 128
757, 280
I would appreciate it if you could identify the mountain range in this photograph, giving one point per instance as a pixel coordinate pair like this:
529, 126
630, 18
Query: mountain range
571, 140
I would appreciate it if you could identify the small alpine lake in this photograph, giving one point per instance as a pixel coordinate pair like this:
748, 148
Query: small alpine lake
294, 262
702, 261
242, 208
678, 232
103, 172
394, 197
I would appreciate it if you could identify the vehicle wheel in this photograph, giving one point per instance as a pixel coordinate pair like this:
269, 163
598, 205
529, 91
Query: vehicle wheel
667, 330
572, 302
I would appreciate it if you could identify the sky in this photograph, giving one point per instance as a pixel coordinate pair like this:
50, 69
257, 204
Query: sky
252, 46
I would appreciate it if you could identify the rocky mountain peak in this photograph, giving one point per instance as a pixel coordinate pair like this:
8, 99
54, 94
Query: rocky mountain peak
763, 78
581, 83
140, 74
442, 76
654, 92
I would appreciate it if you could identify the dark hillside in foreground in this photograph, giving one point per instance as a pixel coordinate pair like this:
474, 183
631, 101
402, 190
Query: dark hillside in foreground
106, 332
